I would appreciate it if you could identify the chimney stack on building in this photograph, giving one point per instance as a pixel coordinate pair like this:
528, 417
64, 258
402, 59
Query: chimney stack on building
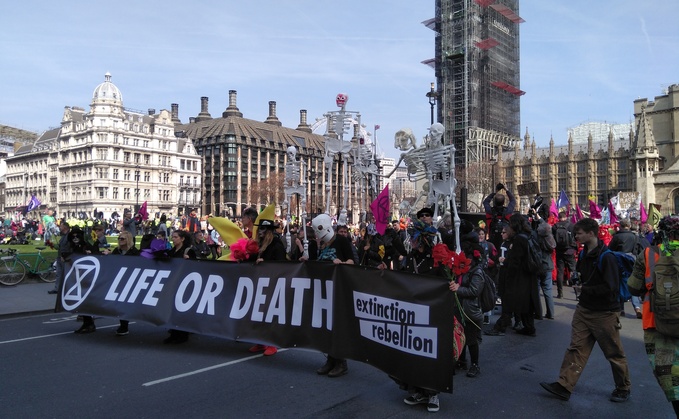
303, 125
232, 110
152, 111
204, 115
272, 118
175, 113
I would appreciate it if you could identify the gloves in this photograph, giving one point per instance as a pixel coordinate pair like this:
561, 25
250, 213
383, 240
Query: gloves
499, 187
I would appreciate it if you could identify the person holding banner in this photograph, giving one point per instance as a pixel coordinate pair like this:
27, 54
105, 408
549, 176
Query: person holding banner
182, 248
126, 248
336, 248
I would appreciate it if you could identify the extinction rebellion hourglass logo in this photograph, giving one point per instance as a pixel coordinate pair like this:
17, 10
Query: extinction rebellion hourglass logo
397, 324
79, 281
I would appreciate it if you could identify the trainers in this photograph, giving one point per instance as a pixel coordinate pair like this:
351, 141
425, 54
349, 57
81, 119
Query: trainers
638, 312
493, 332
257, 348
518, 325
122, 331
416, 398
619, 396
474, 370
486, 320
433, 403
270, 350
557, 389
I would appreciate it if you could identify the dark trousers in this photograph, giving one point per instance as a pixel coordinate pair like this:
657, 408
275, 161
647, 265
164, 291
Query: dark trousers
563, 260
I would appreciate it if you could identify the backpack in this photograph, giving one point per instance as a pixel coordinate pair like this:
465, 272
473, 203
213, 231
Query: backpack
625, 266
488, 294
496, 222
563, 237
664, 293
534, 257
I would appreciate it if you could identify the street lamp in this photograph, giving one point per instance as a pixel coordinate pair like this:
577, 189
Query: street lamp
137, 191
433, 97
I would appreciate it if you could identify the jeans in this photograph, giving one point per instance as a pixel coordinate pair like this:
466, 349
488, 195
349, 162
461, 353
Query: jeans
546, 285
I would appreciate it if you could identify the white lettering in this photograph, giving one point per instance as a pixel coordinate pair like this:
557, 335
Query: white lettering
142, 284
111, 295
299, 285
155, 288
244, 292
277, 305
260, 299
214, 286
192, 278
321, 304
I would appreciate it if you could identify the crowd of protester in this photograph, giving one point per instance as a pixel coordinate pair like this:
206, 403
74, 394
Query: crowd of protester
498, 246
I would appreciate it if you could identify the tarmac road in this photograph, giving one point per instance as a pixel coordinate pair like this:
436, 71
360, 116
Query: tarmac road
47, 371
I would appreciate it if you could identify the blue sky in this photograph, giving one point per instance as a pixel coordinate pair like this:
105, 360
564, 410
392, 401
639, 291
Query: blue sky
580, 60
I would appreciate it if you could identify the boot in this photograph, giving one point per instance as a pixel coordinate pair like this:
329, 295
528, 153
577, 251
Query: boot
340, 369
327, 367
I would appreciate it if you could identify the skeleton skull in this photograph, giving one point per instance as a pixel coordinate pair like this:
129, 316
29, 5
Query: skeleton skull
292, 153
322, 225
341, 99
436, 132
404, 139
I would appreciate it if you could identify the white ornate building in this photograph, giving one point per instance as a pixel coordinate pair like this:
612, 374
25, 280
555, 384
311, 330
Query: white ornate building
107, 159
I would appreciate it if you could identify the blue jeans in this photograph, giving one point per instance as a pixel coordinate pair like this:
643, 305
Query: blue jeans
546, 285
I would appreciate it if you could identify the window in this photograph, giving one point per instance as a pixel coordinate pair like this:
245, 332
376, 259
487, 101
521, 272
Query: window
623, 164
147, 176
101, 192
582, 183
582, 167
181, 164
137, 158
601, 182
601, 166
561, 168
126, 157
116, 154
195, 166
147, 157
126, 140
622, 182
166, 177
126, 193
115, 174
525, 172
181, 180
135, 142
544, 170
115, 193
126, 174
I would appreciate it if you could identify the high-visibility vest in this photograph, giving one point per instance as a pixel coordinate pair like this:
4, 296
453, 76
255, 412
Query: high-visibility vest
647, 316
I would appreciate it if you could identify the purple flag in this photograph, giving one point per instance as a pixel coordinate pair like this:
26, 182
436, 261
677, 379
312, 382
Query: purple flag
594, 210
643, 215
380, 210
611, 213
564, 202
33, 203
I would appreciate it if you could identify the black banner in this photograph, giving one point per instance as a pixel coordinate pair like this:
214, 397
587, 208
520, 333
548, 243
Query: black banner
400, 323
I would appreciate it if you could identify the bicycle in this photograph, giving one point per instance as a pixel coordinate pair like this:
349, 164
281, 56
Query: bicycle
13, 267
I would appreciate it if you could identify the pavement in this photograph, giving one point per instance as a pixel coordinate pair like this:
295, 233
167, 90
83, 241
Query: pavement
29, 297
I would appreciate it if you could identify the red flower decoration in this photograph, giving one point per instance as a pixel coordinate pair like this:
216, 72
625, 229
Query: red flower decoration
442, 255
243, 248
461, 264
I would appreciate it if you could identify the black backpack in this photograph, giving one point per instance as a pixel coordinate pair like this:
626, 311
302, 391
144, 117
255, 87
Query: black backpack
496, 222
563, 237
488, 294
534, 256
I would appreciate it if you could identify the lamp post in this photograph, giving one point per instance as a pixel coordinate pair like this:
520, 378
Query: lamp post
77, 192
433, 97
136, 174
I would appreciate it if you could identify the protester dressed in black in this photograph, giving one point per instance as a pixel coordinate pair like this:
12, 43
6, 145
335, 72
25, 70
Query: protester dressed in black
182, 249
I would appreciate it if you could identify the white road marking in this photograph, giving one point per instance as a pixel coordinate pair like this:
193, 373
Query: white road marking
49, 336
202, 370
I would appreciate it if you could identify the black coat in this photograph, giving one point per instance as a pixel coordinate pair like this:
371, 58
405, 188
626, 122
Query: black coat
520, 286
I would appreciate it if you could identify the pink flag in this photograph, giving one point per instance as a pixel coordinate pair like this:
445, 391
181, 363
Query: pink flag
144, 212
553, 209
380, 210
611, 213
578, 213
594, 211
642, 211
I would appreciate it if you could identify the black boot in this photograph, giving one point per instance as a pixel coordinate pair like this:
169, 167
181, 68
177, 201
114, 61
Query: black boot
340, 369
327, 367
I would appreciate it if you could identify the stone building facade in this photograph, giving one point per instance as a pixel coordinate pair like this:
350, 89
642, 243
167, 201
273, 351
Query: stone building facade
107, 159
644, 161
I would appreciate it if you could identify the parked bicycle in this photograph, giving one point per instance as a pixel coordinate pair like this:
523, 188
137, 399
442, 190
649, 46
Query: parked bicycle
13, 266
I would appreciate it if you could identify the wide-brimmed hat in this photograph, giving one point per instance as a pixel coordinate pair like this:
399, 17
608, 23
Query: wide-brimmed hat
423, 211
264, 223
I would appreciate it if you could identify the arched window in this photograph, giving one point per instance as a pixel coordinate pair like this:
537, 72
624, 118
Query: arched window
676, 203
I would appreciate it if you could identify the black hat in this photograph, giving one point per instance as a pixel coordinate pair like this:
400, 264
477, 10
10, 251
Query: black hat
264, 223
423, 211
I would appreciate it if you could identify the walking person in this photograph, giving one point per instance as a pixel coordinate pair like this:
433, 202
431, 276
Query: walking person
596, 317
547, 245
662, 349
565, 252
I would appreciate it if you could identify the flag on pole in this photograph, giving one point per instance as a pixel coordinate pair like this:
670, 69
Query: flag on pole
611, 211
594, 210
553, 209
654, 216
643, 215
564, 202
578, 215
376, 127
380, 210
33, 203
144, 212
